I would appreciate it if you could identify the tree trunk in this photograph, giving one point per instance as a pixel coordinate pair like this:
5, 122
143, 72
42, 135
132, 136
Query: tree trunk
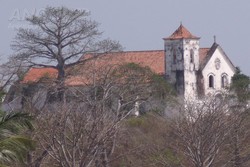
61, 83
237, 158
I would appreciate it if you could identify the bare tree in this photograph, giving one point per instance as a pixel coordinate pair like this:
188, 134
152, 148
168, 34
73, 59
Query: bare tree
237, 146
10, 72
201, 129
58, 38
82, 131
239, 154
145, 141
5, 77
79, 135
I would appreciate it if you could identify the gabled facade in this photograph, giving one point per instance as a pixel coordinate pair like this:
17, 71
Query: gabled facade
217, 70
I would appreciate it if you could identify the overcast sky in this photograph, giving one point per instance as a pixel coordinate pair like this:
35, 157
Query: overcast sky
141, 24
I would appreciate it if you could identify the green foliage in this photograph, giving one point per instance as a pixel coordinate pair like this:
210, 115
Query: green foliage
241, 86
14, 122
13, 146
15, 149
136, 121
131, 72
162, 88
146, 81
171, 157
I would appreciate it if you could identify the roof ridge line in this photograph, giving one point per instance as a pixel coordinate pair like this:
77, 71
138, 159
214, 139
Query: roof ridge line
143, 50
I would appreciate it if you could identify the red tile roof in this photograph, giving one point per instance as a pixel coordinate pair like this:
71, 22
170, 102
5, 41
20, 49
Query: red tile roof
181, 33
35, 74
153, 59
203, 54
81, 74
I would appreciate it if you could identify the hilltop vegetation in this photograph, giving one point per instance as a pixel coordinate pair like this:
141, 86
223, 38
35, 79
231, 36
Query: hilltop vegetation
95, 123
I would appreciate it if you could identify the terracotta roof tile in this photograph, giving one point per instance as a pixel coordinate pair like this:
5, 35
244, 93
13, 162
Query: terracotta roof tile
181, 33
83, 74
203, 52
153, 59
35, 74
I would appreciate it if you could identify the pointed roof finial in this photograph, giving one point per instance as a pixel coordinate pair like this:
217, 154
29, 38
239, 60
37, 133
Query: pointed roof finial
214, 38
181, 23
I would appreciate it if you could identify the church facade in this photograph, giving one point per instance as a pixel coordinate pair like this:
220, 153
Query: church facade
196, 71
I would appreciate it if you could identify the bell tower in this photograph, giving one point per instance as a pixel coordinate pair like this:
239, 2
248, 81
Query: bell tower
182, 61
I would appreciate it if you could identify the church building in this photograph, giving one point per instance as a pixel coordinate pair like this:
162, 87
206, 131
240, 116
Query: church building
193, 70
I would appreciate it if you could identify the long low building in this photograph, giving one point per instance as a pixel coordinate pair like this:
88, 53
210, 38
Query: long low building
194, 71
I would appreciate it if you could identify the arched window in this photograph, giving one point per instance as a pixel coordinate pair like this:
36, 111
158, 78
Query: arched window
224, 81
211, 81
191, 56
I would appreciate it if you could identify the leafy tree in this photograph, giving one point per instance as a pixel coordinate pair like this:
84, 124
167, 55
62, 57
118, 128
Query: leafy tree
241, 86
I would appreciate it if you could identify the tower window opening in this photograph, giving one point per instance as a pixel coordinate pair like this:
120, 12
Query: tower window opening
174, 56
191, 56
211, 81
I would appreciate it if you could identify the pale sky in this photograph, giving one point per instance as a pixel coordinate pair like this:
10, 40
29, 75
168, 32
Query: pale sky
141, 24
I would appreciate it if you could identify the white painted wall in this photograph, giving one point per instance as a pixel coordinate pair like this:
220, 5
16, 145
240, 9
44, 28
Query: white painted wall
181, 48
225, 67
190, 68
170, 66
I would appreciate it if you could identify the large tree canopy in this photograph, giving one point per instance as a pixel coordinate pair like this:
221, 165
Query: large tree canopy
58, 37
